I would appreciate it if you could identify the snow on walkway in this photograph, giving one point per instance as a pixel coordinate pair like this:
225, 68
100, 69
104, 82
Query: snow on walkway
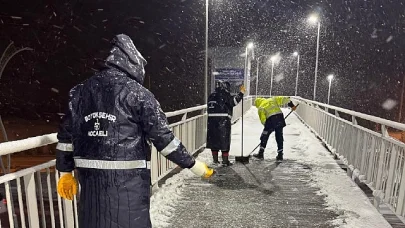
342, 196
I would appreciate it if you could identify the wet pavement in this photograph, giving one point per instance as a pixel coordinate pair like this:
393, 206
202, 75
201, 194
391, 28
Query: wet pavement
258, 194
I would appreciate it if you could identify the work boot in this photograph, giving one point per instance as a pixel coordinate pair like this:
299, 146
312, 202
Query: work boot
279, 157
259, 155
225, 161
215, 157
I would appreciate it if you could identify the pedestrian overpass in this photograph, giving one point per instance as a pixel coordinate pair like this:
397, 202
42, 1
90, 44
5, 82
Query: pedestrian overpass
339, 172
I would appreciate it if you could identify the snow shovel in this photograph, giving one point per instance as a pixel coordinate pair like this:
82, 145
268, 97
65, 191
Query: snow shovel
242, 159
284, 118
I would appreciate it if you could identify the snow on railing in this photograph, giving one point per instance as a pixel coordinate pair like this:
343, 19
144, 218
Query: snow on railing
26, 144
373, 157
37, 202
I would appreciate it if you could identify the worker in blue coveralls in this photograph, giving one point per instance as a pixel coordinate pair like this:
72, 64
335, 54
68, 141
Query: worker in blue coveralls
220, 111
105, 137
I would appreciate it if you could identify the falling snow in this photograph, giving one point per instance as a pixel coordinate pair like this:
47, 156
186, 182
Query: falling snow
389, 104
360, 42
279, 77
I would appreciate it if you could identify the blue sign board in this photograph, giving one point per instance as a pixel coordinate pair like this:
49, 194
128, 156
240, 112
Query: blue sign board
229, 74
234, 76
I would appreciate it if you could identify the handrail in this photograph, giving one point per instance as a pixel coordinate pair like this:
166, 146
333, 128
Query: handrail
389, 123
187, 110
26, 144
43, 140
372, 157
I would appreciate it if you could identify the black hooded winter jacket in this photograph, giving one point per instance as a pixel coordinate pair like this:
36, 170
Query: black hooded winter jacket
105, 136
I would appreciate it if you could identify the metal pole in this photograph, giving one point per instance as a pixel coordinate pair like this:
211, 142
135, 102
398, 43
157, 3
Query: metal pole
246, 70
271, 80
298, 71
257, 76
317, 56
402, 101
206, 53
330, 84
243, 101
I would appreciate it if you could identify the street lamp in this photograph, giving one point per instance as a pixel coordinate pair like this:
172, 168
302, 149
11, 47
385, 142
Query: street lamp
248, 47
330, 78
298, 70
273, 59
206, 53
314, 18
257, 72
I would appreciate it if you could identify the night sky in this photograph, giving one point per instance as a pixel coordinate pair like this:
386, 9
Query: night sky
361, 43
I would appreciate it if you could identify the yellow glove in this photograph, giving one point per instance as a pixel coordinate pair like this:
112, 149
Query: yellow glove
67, 186
242, 89
201, 169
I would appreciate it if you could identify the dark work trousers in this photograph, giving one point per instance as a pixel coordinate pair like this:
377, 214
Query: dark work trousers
268, 129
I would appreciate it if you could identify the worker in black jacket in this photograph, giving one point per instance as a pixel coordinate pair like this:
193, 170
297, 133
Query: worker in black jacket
220, 110
105, 136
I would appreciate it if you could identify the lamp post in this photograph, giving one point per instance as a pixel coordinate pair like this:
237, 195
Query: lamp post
248, 47
298, 71
257, 72
206, 53
330, 78
273, 59
272, 71
315, 19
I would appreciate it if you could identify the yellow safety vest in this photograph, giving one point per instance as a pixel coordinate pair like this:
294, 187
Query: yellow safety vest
270, 106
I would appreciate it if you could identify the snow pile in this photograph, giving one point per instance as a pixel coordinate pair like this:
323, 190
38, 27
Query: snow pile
163, 202
165, 199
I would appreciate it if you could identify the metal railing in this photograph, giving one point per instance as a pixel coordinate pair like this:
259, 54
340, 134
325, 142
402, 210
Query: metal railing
237, 111
32, 200
377, 157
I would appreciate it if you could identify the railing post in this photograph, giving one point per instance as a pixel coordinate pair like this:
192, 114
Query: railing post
201, 129
184, 117
391, 175
10, 204
354, 121
68, 213
60, 212
31, 199
41, 198
400, 209
154, 165
189, 127
193, 134
369, 174
337, 113
384, 131
50, 198
363, 168
381, 165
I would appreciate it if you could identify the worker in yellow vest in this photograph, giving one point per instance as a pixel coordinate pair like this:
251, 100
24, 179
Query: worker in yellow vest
272, 118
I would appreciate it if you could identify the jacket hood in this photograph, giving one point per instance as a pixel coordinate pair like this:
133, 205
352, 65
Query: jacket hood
222, 86
125, 57
259, 101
